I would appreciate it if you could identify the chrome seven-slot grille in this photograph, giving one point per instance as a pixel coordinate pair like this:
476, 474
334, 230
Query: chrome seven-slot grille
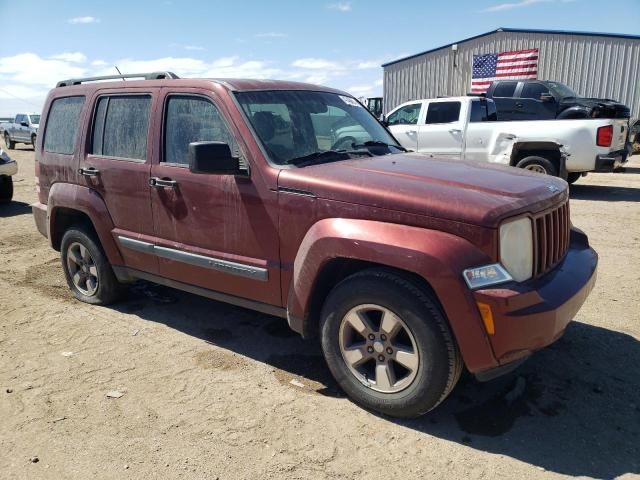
551, 238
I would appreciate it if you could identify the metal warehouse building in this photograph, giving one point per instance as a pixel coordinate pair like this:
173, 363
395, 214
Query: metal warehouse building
593, 64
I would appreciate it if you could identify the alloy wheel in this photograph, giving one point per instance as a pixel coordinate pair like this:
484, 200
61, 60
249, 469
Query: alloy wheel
379, 348
82, 269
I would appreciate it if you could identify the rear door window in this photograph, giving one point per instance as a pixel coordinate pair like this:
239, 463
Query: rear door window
443, 112
505, 89
478, 112
121, 125
62, 125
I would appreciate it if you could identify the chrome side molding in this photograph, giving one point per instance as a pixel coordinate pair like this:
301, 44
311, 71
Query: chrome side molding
233, 268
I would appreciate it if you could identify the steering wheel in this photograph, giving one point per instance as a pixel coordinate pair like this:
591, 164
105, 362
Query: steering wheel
341, 141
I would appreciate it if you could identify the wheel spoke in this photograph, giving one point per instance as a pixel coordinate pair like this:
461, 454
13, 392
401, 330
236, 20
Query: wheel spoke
407, 359
91, 284
84, 253
360, 324
93, 270
73, 256
385, 378
355, 355
77, 278
390, 324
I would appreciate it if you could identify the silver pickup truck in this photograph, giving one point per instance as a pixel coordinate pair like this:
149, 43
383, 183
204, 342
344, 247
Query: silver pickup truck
24, 129
8, 168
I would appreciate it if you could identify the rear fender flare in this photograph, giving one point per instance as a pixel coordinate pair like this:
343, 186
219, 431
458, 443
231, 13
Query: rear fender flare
89, 202
437, 257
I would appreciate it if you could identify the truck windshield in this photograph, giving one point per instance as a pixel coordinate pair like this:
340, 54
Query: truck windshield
300, 125
562, 90
35, 119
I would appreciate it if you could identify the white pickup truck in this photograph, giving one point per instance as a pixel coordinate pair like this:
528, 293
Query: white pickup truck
24, 129
466, 128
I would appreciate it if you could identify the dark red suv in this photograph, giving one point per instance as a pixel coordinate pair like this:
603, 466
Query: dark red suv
292, 199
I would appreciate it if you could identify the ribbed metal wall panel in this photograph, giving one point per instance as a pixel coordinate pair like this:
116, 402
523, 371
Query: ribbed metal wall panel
594, 66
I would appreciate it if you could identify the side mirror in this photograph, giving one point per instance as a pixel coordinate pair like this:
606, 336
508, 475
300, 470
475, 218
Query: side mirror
213, 158
546, 98
24, 124
383, 120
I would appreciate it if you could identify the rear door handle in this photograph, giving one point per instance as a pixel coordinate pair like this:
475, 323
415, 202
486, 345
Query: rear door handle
162, 182
89, 172
519, 105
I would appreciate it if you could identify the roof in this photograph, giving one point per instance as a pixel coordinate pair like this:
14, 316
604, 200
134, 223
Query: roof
517, 30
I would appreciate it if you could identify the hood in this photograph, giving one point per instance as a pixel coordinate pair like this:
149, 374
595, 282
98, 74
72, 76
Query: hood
603, 107
475, 193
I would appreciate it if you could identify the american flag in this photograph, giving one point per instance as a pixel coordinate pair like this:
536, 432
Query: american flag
520, 64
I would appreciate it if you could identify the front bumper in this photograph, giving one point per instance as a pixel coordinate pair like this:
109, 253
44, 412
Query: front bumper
611, 161
529, 316
9, 168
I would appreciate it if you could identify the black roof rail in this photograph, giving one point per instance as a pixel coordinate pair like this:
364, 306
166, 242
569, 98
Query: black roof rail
145, 76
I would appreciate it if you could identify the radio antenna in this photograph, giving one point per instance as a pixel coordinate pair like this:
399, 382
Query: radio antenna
120, 73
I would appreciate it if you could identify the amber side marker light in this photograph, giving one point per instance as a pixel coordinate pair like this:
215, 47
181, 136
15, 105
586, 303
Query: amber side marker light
487, 317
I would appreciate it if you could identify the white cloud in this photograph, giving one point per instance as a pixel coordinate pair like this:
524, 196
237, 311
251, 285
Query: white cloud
271, 35
72, 57
316, 64
510, 6
99, 63
341, 6
194, 48
83, 20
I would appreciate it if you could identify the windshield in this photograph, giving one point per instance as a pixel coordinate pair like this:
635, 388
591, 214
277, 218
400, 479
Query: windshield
295, 125
35, 119
562, 90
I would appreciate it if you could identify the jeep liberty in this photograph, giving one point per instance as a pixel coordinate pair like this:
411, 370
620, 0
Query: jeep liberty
407, 269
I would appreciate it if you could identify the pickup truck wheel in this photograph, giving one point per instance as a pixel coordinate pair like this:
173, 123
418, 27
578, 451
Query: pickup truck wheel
573, 177
538, 165
8, 142
6, 189
388, 345
86, 268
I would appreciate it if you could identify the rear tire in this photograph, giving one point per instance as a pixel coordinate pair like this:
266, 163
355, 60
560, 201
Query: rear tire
430, 364
539, 165
573, 177
6, 189
86, 268
8, 142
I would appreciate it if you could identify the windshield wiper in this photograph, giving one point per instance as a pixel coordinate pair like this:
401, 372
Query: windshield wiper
326, 156
377, 143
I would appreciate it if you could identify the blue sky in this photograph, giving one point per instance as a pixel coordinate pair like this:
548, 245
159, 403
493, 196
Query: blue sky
336, 43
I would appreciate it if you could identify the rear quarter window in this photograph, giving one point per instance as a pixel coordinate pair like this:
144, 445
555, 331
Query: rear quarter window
62, 125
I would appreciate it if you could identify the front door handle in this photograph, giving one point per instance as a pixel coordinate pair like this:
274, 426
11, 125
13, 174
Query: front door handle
89, 172
455, 130
411, 132
519, 105
162, 182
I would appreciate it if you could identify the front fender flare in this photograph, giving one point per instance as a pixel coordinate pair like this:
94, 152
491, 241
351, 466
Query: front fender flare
89, 202
438, 257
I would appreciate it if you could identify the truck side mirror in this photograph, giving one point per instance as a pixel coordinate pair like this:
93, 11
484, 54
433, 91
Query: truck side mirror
24, 124
213, 158
546, 98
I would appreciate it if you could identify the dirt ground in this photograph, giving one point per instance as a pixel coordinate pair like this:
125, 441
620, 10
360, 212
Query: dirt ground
213, 391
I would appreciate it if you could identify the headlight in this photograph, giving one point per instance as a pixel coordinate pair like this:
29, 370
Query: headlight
516, 248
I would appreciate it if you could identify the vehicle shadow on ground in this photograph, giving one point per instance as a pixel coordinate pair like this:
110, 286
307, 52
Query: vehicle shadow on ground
572, 408
13, 209
604, 193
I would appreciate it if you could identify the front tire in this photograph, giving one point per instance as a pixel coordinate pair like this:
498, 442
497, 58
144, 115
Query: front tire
8, 142
538, 165
6, 189
388, 344
86, 268
34, 138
